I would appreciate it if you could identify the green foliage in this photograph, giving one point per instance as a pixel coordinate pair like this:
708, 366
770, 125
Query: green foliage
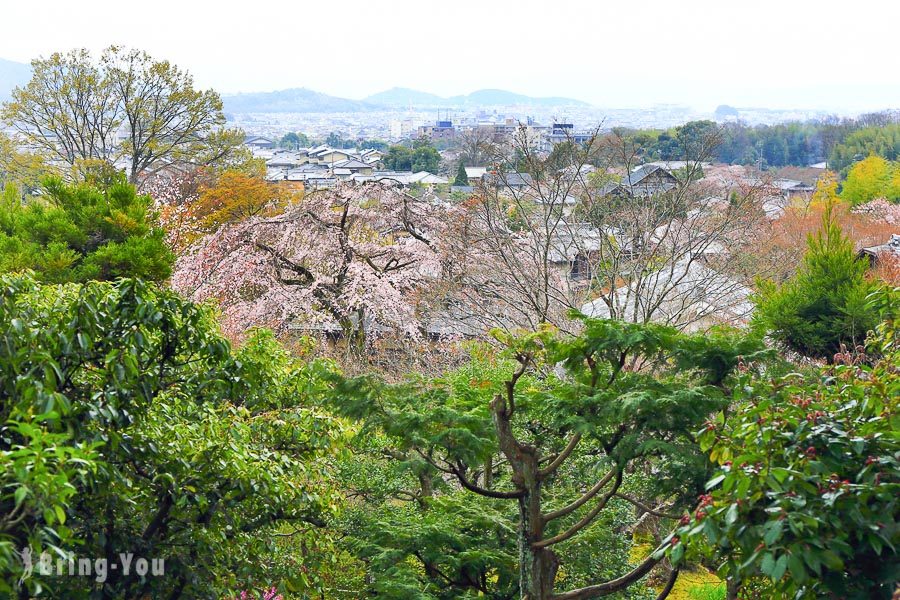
825, 306
871, 178
461, 178
419, 535
807, 491
422, 156
707, 591
444, 444
798, 144
73, 106
294, 141
130, 425
882, 140
81, 232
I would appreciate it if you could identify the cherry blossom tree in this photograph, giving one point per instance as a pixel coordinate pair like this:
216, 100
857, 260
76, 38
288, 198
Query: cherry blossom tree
175, 195
353, 260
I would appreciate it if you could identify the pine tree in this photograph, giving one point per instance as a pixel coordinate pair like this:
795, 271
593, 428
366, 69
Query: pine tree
825, 306
461, 177
98, 230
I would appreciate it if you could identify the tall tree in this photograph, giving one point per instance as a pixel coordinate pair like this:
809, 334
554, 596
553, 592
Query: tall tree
824, 307
70, 109
294, 141
422, 156
871, 178
563, 449
74, 109
165, 117
461, 178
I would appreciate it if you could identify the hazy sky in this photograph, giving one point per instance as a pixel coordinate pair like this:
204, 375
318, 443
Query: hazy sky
776, 53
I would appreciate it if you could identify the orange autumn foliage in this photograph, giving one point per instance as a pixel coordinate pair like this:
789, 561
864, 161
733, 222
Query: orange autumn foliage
236, 196
780, 243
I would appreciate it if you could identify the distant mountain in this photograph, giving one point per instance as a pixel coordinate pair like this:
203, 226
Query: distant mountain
300, 100
12, 74
509, 98
401, 97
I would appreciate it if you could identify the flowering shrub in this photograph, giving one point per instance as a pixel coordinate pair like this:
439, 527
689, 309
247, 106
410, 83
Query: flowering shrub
809, 480
269, 594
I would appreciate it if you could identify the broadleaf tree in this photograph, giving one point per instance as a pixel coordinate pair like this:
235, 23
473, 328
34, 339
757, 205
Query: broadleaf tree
74, 107
130, 425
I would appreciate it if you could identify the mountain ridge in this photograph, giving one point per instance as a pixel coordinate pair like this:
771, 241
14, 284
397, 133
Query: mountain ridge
291, 100
12, 74
304, 100
400, 97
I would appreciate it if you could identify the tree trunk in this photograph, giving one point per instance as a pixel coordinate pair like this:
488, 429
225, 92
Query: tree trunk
732, 589
537, 566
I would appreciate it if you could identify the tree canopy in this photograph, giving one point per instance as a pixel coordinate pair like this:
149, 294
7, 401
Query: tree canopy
79, 232
824, 308
422, 156
130, 424
553, 452
73, 108
872, 178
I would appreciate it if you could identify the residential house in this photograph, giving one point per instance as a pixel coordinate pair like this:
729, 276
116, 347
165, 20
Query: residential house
574, 248
510, 181
353, 167
887, 250
324, 155
643, 182
791, 188
407, 178
258, 142
371, 156
475, 174
288, 160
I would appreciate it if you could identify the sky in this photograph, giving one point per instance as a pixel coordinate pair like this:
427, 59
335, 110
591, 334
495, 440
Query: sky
824, 54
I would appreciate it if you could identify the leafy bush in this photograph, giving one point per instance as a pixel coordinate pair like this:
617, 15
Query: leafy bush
131, 425
808, 490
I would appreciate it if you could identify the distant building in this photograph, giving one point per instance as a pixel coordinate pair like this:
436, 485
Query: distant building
791, 188
643, 182
564, 132
353, 167
510, 181
876, 254
258, 142
475, 174
440, 130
